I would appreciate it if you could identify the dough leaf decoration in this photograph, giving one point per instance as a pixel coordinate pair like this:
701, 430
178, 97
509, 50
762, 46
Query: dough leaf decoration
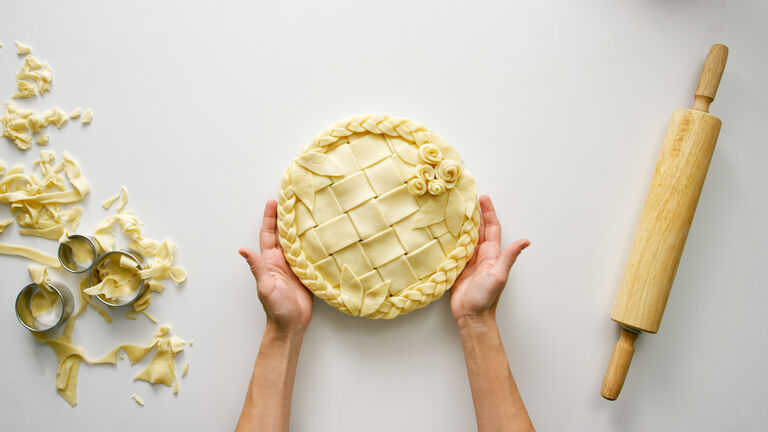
320, 164
454, 212
303, 185
468, 189
406, 151
374, 297
432, 212
351, 291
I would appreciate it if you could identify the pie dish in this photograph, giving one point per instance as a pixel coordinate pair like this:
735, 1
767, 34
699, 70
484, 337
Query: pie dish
378, 216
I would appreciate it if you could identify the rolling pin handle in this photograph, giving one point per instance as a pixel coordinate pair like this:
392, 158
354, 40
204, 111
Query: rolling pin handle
710, 77
619, 365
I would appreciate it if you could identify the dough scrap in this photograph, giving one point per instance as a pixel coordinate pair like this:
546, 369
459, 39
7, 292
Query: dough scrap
137, 399
40, 204
87, 117
118, 279
149, 316
33, 78
108, 203
161, 254
4, 224
359, 236
44, 205
123, 201
122, 196
44, 299
22, 49
19, 125
30, 254
161, 370
69, 355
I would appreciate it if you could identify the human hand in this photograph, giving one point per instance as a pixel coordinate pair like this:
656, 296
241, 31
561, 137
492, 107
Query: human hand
287, 303
476, 292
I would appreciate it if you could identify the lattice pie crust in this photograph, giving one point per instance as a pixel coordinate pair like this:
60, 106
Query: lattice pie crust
378, 216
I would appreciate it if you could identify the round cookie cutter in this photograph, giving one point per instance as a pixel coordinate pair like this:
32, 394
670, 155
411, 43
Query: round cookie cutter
95, 279
68, 257
40, 324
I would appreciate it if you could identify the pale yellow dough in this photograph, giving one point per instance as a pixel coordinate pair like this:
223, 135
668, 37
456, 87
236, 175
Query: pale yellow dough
22, 49
42, 204
378, 216
161, 369
33, 78
30, 254
118, 279
5, 224
87, 116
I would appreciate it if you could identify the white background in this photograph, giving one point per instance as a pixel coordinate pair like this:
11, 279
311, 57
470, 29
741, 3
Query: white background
559, 109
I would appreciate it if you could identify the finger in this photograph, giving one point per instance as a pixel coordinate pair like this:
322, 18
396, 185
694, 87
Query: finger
258, 268
268, 233
492, 226
511, 252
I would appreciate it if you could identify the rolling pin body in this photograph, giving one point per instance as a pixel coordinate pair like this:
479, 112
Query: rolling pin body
666, 219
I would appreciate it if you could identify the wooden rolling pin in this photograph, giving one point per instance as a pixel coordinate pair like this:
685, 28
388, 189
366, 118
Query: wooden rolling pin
665, 221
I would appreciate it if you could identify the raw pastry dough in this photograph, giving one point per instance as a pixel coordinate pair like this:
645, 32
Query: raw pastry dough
30, 254
5, 224
38, 203
87, 116
42, 205
160, 370
357, 210
22, 49
34, 77
117, 279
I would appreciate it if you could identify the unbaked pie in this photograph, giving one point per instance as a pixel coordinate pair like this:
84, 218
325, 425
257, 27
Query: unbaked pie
378, 216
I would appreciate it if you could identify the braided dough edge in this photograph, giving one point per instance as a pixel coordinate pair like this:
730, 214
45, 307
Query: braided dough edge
409, 299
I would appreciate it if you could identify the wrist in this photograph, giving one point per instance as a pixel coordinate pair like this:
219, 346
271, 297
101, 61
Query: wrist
476, 322
280, 333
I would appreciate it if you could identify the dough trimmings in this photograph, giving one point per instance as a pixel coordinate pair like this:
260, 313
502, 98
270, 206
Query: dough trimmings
378, 216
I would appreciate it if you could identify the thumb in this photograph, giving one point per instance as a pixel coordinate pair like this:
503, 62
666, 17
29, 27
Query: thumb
255, 262
511, 252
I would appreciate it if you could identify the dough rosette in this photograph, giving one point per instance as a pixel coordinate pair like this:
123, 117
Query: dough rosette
449, 172
430, 154
436, 187
417, 187
425, 172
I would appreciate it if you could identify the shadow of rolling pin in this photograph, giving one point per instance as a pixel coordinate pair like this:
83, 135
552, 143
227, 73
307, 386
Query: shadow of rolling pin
665, 221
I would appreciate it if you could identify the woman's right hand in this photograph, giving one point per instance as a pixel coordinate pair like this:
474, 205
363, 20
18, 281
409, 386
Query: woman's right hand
476, 292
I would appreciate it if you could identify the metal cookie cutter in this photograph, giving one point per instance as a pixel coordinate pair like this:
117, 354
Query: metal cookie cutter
114, 258
49, 319
78, 253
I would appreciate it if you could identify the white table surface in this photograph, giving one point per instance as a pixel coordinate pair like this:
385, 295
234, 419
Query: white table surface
559, 109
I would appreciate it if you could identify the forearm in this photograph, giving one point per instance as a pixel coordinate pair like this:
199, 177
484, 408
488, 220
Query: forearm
498, 406
267, 405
